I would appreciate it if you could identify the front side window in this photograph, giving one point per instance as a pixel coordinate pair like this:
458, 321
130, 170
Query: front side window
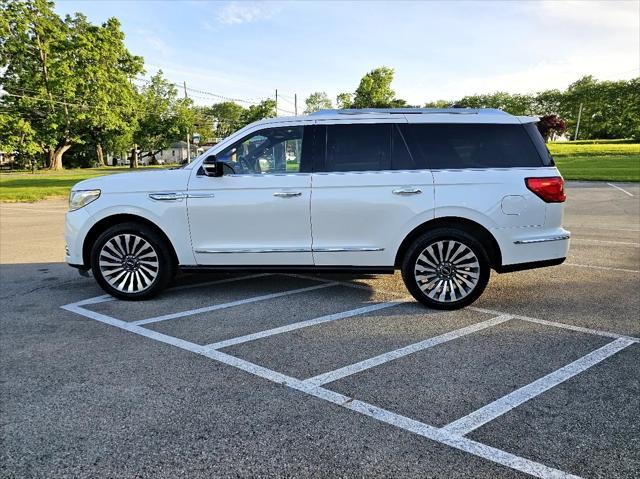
457, 146
272, 150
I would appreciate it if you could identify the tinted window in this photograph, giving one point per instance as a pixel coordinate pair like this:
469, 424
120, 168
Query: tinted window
358, 147
401, 159
273, 150
456, 146
538, 142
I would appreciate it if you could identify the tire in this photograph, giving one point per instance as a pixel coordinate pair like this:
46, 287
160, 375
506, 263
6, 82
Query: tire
131, 261
446, 269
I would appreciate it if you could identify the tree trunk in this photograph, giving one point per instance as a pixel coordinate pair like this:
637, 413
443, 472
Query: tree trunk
133, 162
55, 156
100, 155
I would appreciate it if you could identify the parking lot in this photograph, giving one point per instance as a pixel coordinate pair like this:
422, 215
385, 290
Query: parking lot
329, 375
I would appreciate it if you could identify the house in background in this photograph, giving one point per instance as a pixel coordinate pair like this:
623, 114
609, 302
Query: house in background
177, 153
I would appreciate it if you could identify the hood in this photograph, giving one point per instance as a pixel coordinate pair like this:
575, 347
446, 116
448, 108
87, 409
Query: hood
141, 181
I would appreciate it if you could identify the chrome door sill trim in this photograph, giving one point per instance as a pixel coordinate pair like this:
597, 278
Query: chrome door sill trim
543, 240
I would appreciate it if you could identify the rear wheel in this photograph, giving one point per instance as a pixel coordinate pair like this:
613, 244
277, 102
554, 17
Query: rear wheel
446, 269
131, 261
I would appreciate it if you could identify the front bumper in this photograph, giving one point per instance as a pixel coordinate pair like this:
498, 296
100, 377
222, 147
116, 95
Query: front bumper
76, 227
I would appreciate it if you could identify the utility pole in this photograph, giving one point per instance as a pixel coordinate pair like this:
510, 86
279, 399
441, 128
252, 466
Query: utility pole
575, 137
188, 143
276, 102
295, 103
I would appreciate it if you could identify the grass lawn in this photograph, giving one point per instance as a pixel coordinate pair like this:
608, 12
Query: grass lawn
605, 160
24, 186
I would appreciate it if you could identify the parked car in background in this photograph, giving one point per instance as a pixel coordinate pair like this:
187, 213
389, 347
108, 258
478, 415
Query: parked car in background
442, 195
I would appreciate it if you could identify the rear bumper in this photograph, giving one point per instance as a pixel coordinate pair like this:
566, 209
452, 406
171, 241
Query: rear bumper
528, 248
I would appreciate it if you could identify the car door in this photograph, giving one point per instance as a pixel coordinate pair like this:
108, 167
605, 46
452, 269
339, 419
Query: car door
480, 170
367, 193
258, 212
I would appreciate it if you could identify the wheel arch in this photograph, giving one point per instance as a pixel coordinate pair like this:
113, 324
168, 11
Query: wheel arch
107, 222
484, 236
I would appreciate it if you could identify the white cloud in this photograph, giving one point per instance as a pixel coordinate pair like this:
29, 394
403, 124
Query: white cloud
234, 13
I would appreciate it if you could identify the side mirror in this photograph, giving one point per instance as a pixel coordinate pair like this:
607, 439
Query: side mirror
212, 167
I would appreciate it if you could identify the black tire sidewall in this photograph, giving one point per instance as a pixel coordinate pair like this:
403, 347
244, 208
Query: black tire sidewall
439, 234
165, 261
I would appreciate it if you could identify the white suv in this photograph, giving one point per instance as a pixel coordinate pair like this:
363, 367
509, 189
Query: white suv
443, 195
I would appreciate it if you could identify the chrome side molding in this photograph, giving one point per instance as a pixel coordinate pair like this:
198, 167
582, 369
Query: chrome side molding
543, 240
352, 249
287, 250
171, 196
253, 250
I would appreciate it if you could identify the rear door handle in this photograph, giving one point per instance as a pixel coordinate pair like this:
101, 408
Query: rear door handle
287, 194
407, 191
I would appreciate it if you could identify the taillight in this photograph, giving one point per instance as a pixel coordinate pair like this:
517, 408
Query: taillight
551, 189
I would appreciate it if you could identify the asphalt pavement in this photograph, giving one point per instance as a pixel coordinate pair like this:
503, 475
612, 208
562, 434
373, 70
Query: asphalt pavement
324, 376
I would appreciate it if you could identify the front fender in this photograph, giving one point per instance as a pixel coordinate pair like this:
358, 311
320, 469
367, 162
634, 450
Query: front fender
169, 216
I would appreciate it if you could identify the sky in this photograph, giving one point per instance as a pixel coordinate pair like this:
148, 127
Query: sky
438, 49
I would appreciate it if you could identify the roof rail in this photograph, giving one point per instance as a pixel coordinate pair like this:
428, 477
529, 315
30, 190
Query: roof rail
411, 111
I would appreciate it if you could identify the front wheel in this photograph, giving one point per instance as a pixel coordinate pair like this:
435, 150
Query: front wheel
131, 261
446, 269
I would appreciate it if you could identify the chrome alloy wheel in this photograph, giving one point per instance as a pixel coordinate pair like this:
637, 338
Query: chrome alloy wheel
447, 271
129, 263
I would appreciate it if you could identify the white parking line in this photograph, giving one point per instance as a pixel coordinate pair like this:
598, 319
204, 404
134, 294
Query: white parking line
435, 434
621, 189
506, 403
303, 324
607, 268
231, 304
355, 368
556, 324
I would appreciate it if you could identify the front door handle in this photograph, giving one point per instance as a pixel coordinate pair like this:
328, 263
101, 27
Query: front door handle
287, 194
407, 191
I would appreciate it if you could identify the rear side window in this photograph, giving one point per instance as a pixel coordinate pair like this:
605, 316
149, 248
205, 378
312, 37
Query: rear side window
457, 146
539, 143
364, 147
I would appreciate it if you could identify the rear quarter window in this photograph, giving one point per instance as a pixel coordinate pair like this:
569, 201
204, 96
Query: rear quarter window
459, 146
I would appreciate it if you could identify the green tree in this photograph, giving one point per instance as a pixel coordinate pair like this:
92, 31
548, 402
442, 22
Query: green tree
225, 117
108, 69
264, 109
66, 78
162, 118
344, 101
317, 101
375, 90
512, 103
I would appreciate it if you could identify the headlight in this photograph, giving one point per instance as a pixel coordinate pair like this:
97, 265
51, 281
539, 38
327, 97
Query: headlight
78, 199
